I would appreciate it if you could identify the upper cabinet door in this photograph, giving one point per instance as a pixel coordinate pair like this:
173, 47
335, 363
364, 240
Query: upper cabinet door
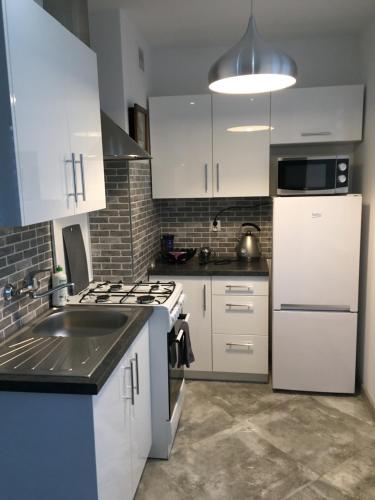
181, 146
241, 158
36, 67
83, 111
317, 114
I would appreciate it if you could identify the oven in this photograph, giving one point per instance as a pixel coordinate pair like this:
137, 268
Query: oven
176, 345
313, 175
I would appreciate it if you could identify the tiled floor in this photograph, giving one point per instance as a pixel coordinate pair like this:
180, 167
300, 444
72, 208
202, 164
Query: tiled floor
243, 442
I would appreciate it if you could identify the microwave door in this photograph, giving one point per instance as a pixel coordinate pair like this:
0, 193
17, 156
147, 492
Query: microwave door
306, 176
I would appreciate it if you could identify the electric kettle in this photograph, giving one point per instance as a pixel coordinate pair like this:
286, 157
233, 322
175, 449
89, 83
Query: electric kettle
248, 247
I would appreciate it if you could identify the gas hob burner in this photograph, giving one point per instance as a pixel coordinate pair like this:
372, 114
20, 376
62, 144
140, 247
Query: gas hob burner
145, 299
102, 299
154, 287
115, 288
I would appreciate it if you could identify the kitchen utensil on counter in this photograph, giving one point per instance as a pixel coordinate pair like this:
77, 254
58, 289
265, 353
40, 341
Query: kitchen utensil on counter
76, 261
248, 246
167, 242
204, 255
178, 255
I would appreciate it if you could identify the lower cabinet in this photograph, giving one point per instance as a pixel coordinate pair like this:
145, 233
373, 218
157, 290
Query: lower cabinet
78, 446
122, 423
228, 325
198, 304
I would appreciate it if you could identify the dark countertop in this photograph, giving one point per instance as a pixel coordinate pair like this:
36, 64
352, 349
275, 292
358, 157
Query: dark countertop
72, 384
193, 268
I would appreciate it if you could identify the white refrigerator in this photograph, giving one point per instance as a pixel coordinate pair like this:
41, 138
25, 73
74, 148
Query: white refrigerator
316, 248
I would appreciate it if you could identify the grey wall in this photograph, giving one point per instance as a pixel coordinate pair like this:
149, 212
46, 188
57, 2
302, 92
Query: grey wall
125, 235
320, 61
22, 250
365, 159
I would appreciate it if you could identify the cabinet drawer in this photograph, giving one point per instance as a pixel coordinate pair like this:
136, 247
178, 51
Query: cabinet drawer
254, 285
240, 315
240, 354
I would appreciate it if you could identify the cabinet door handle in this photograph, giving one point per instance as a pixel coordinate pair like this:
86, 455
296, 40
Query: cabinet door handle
82, 166
204, 298
131, 383
217, 177
136, 373
249, 307
312, 134
239, 344
73, 162
206, 177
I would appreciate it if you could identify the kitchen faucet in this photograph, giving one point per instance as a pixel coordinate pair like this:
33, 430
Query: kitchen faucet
32, 286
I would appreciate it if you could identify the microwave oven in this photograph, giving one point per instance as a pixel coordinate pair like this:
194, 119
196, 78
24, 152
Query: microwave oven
313, 175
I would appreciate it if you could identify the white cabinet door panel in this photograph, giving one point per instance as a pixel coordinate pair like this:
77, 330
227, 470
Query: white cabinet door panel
314, 351
141, 410
317, 114
198, 303
240, 354
84, 126
240, 315
181, 145
112, 437
37, 68
253, 285
240, 159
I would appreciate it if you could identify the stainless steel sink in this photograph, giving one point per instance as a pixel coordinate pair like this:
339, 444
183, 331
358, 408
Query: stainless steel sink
72, 341
79, 322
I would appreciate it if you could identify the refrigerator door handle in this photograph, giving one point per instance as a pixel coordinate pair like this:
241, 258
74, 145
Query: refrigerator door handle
314, 307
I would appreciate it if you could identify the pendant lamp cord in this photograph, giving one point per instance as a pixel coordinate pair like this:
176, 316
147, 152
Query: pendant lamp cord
252, 8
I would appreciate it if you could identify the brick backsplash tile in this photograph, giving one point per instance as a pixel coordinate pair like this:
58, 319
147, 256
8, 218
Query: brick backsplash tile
22, 250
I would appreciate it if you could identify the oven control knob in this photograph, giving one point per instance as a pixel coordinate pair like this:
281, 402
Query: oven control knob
342, 166
341, 179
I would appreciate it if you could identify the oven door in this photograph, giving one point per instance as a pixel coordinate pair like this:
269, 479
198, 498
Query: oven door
305, 176
175, 373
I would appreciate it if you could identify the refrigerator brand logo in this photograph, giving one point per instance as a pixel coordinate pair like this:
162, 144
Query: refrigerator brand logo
316, 215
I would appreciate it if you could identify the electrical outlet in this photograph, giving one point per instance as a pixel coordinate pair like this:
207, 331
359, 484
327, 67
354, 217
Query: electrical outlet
216, 228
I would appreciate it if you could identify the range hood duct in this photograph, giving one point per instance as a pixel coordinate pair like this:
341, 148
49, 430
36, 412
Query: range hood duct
117, 144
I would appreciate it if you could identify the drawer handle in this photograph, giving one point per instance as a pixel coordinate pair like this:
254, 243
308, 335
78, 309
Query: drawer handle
313, 134
241, 287
249, 307
238, 344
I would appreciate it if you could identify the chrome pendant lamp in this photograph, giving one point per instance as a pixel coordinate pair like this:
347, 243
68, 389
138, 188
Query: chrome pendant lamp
252, 66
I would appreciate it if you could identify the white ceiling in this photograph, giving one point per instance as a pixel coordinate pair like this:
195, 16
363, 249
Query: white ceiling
204, 23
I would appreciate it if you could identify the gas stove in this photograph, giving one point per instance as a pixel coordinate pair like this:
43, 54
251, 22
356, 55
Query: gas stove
166, 295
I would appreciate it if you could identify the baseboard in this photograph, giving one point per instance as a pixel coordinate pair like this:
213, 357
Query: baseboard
226, 377
370, 401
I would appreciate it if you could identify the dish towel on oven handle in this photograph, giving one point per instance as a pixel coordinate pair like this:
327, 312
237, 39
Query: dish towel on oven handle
185, 351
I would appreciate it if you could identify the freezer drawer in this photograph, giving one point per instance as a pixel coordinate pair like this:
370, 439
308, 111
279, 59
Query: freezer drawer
240, 354
314, 351
240, 315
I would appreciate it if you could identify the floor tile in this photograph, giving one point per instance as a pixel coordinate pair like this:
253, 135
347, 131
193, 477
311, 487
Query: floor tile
319, 490
356, 476
356, 406
314, 434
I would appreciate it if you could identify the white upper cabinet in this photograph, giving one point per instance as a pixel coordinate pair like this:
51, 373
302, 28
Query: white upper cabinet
50, 111
181, 145
317, 114
85, 127
241, 158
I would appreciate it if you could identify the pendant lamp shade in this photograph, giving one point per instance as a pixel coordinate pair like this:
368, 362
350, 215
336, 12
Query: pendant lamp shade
252, 66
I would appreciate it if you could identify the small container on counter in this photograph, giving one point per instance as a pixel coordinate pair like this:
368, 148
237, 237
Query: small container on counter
59, 277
